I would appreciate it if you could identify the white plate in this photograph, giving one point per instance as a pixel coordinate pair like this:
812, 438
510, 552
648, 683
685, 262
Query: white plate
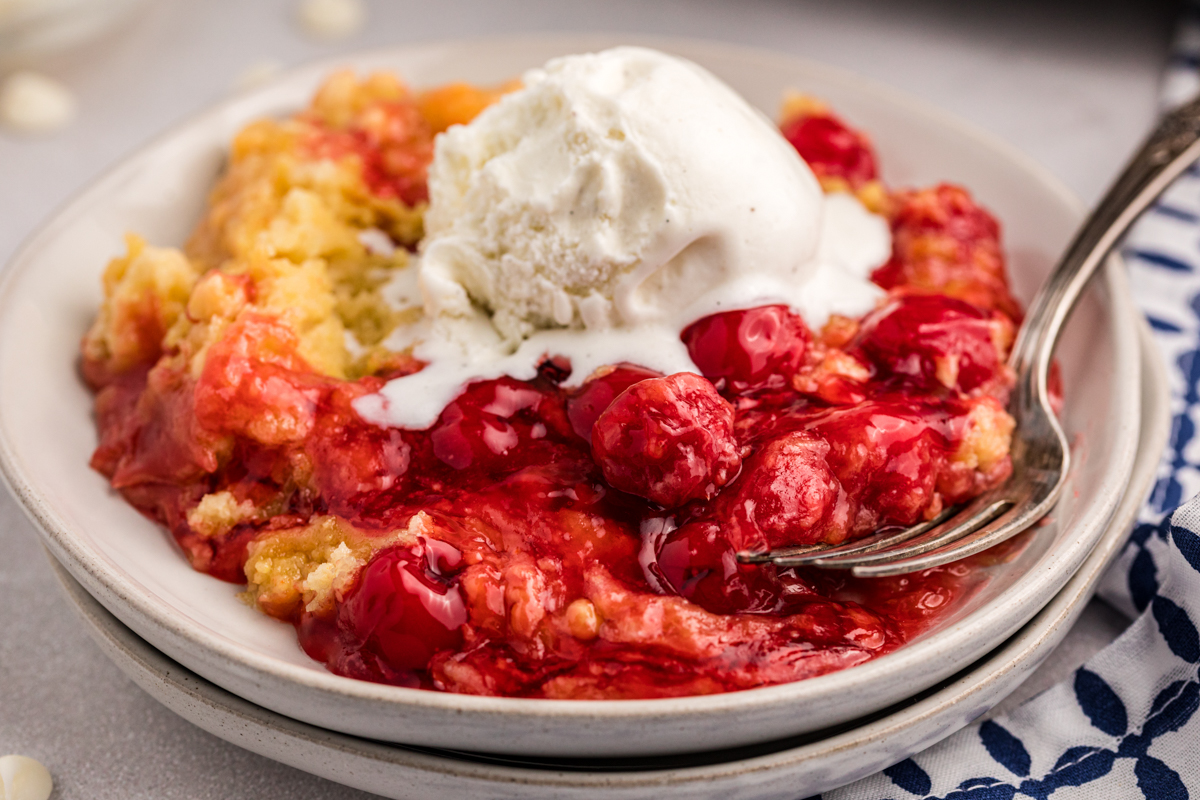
778, 770
51, 290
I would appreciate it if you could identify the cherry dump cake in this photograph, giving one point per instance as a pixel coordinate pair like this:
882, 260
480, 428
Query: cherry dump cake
484, 389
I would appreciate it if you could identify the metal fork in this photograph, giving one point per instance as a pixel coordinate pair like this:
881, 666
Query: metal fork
1040, 452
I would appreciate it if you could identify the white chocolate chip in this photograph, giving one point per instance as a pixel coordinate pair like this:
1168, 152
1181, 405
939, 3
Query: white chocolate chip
332, 19
33, 103
22, 778
377, 242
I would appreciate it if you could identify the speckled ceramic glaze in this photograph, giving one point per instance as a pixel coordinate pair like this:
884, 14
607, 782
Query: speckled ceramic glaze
788, 769
52, 288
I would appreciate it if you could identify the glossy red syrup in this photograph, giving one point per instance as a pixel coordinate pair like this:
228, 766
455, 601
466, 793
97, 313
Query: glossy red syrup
750, 350
582, 542
520, 497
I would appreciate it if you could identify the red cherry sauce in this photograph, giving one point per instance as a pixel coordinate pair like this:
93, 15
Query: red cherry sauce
932, 341
540, 541
550, 563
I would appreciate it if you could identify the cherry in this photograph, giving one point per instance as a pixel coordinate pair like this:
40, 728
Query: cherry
747, 350
598, 392
669, 440
255, 384
700, 563
485, 426
405, 607
887, 454
831, 148
788, 493
931, 341
393, 145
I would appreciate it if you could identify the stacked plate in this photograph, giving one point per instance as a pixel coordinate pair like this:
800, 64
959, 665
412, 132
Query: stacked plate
186, 639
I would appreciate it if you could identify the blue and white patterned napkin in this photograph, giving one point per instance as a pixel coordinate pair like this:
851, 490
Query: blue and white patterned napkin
1125, 725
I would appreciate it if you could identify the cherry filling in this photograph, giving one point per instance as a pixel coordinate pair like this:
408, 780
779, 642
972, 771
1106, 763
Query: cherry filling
586, 406
529, 575
392, 143
406, 606
485, 427
582, 542
932, 341
790, 494
944, 243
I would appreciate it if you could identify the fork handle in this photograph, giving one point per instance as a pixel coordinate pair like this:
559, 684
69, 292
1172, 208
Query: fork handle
1168, 151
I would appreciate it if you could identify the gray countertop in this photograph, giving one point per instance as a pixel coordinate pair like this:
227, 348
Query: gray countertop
1072, 84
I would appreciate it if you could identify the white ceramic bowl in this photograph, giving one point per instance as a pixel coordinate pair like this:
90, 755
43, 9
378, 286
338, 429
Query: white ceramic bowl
773, 771
51, 289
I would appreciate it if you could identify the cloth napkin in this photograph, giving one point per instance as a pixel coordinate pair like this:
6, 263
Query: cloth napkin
1125, 725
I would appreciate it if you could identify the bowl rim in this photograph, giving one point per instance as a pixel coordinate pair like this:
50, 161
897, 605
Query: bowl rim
107, 583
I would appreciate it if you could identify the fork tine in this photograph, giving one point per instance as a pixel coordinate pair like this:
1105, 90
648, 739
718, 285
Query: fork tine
806, 554
979, 513
1034, 497
768, 556
1007, 525
956, 533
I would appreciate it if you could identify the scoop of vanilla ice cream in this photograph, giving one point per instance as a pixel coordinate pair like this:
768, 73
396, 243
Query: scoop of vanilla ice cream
615, 189
592, 215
